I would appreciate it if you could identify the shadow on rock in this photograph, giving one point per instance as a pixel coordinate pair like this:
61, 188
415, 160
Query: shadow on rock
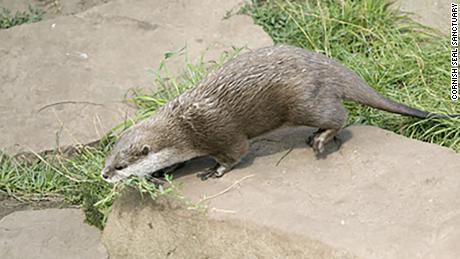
279, 141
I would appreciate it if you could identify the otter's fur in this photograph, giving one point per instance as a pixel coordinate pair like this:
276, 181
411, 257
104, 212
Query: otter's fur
253, 94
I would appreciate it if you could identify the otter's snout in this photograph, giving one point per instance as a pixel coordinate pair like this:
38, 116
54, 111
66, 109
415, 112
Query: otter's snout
112, 175
106, 173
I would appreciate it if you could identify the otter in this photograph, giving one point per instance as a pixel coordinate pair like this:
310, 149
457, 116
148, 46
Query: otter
250, 95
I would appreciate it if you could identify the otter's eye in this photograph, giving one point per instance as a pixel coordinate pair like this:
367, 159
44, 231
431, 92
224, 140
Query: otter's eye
120, 167
145, 150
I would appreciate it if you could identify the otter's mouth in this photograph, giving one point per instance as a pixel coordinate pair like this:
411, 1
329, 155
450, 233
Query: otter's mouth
157, 175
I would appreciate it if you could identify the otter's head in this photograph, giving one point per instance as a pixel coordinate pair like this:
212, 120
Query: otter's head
144, 149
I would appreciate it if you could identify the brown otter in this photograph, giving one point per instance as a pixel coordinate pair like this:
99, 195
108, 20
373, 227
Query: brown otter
252, 94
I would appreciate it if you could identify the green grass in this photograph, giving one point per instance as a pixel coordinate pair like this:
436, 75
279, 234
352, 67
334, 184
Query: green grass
31, 15
400, 58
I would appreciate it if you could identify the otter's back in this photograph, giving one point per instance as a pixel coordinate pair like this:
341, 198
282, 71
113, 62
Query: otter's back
264, 89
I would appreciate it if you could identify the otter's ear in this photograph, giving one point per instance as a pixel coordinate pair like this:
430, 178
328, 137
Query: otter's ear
145, 150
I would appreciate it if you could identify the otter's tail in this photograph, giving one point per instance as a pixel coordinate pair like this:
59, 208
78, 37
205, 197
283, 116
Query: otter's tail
363, 94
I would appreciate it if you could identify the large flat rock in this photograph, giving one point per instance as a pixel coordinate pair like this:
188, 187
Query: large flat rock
49, 234
63, 80
380, 196
166, 228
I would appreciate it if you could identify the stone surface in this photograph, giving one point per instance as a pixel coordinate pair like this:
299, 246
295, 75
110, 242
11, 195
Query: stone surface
52, 8
166, 228
9, 205
433, 13
380, 195
63, 80
48, 234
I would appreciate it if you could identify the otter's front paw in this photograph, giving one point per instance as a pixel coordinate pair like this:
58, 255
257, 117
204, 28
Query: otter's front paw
212, 172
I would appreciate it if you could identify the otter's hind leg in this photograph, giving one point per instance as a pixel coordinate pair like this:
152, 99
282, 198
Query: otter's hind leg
226, 159
330, 123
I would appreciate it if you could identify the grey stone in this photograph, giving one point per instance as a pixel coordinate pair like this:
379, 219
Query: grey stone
63, 80
381, 195
48, 234
166, 228
433, 13
52, 8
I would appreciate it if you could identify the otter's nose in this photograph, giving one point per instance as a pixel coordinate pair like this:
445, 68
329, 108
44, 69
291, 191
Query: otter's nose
105, 173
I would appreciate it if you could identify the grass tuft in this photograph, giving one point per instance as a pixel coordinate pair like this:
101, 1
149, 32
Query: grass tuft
31, 15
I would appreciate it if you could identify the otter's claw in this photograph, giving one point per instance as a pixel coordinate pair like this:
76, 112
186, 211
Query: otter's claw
311, 139
210, 173
320, 138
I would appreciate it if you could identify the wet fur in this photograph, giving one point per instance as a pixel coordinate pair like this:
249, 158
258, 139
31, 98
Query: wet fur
253, 94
